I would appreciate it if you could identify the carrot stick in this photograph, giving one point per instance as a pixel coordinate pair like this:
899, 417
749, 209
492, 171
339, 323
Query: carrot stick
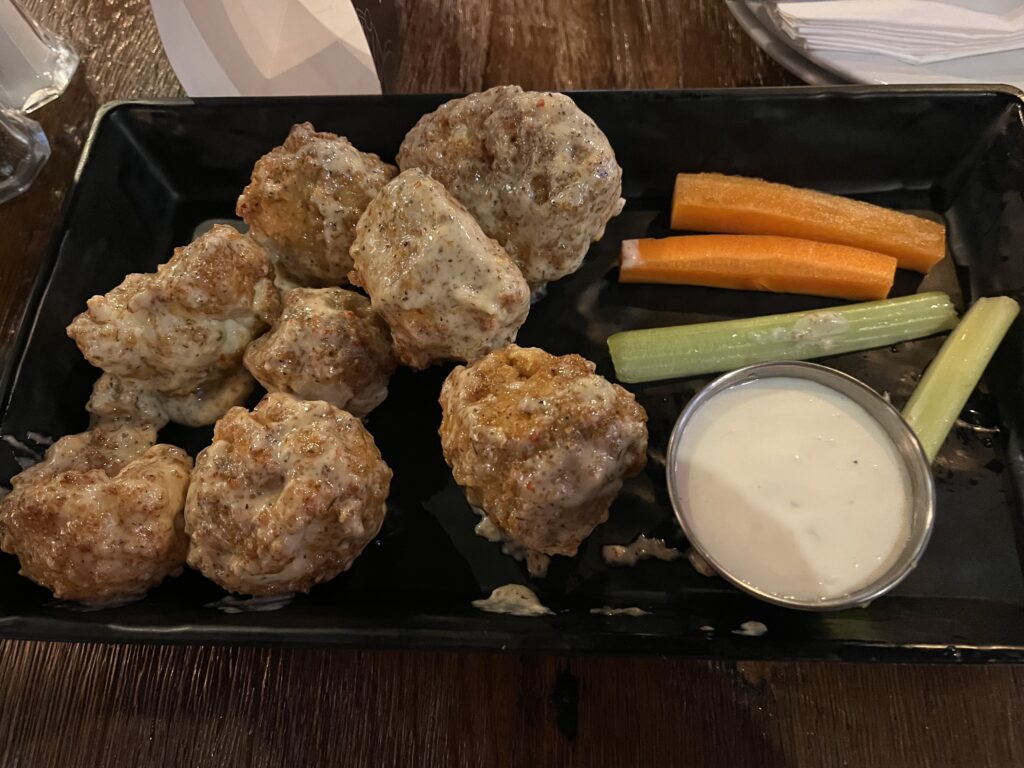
713, 202
759, 263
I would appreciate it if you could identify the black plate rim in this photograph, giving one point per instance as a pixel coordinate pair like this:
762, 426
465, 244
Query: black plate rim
710, 646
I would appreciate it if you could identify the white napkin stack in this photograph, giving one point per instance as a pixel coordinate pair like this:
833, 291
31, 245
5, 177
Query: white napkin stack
911, 31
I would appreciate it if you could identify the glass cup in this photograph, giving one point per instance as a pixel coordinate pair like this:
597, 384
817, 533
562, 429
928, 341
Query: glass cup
35, 68
35, 63
23, 151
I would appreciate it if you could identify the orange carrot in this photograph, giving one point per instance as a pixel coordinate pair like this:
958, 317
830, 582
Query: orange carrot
713, 202
759, 263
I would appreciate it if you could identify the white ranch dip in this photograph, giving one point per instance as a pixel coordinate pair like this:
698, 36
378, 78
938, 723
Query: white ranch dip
793, 488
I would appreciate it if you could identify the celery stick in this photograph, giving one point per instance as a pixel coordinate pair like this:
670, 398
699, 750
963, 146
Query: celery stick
956, 370
689, 350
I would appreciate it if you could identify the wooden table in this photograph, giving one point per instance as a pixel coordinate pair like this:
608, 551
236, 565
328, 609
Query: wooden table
92, 705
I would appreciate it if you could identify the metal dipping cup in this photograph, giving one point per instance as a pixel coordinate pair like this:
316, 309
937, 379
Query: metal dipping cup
919, 473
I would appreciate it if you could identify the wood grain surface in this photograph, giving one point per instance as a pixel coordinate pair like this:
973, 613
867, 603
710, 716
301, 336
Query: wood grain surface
97, 705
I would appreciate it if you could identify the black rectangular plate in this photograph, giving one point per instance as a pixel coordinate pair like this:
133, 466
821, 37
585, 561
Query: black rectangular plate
153, 171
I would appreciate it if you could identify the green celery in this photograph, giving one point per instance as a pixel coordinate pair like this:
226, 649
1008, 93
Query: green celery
956, 370
690, 350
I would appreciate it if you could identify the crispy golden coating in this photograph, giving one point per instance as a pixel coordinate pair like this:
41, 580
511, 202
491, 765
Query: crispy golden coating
535, 171
447, 291
285, 498
540, 443
329, 345
186, 326
304, 200
132, 400
100, 518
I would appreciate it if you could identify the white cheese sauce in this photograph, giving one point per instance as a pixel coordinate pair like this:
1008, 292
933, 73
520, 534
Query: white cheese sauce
700, 565
514, 599
751, 629
793, 488
536, 562
641, 549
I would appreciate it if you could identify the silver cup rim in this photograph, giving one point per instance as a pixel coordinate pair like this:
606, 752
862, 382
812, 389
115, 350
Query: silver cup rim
888, 417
